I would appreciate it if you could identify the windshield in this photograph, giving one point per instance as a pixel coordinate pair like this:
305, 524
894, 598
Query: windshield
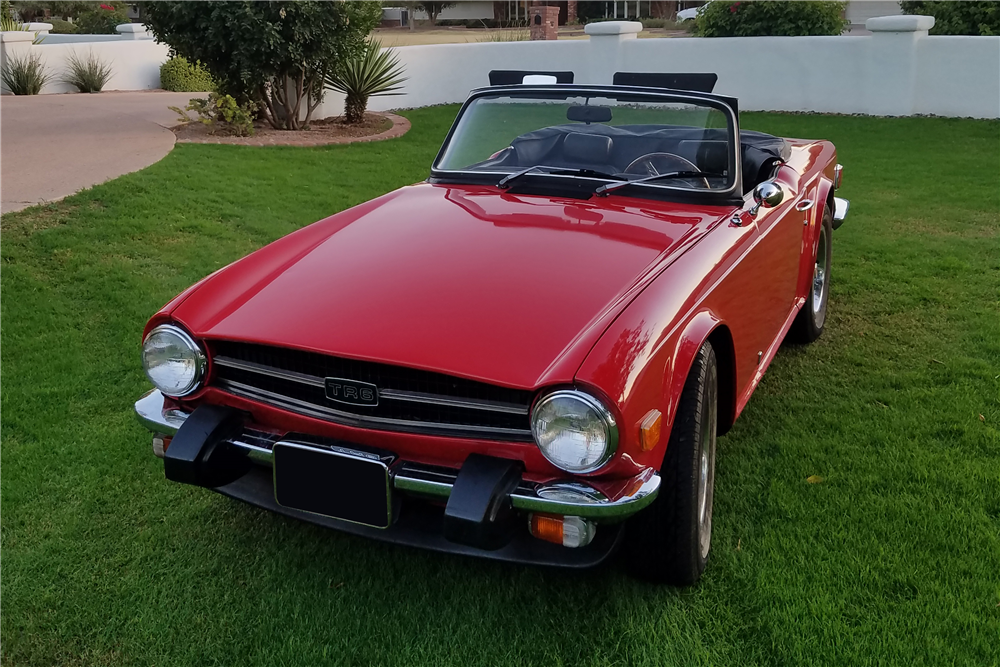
668, 142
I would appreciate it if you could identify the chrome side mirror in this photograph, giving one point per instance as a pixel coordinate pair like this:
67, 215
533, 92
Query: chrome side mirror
768, 194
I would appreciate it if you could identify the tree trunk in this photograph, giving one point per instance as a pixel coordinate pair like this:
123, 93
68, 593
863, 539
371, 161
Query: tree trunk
354, 108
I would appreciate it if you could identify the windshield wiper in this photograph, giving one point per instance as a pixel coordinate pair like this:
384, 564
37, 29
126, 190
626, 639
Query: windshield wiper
504, 182
608, 187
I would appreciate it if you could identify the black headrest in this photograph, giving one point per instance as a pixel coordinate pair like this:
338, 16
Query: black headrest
699, 82
508, 77
587, 147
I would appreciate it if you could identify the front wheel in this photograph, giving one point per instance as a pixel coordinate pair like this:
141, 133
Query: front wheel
669, 541
809, 323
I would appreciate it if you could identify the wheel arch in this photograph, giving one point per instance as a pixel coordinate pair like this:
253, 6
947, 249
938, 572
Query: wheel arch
705, 327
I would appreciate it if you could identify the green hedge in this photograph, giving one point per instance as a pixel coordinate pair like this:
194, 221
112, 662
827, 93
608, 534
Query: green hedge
103, 20
770, 18
60, 27
958, 18
180, 76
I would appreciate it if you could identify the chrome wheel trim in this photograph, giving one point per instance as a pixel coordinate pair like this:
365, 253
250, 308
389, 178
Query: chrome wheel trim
706, 466
821, 280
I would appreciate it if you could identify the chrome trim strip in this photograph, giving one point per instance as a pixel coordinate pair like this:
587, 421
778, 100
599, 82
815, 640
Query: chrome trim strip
438, 399
251, 367
329, 414
840, 208
390, 394
838, 176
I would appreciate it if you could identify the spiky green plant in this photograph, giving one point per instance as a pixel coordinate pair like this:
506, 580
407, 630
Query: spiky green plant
9, 20
89, 74
25, 74
374, 72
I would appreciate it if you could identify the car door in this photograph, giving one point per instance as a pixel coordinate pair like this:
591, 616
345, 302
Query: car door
765, 279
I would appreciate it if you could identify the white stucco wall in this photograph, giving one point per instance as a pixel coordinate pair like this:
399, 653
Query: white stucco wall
135, 63
134, 57
897, 72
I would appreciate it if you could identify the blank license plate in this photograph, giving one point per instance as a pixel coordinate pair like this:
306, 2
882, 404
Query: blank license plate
336, 484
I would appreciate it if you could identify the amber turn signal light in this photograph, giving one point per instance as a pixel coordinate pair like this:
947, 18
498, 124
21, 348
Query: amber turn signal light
649, 430
569, 531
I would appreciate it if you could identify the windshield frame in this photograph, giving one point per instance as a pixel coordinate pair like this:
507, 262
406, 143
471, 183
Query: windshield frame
584, 186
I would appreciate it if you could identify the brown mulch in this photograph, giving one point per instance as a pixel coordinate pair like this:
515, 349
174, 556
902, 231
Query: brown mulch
376, 127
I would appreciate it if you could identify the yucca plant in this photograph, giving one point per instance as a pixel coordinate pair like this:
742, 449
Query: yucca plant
89, 74
373, 72
25, 74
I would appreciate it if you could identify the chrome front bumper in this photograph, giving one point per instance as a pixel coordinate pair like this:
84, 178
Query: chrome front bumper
568, 498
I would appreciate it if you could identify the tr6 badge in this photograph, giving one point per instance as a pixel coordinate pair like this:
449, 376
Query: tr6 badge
351, 392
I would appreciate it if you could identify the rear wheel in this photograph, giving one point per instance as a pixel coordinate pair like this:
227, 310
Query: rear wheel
809, 323
669, 541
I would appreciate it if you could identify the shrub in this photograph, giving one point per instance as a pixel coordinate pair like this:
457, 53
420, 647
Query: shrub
958, 18
374, 72
60, 27
769, 17
274, 53
103, 20
180, 76
89, 74
507, 35
224, 110
25, 74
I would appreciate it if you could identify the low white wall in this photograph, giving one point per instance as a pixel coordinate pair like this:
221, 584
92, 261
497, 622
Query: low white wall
135, 60
75, 39
899, 71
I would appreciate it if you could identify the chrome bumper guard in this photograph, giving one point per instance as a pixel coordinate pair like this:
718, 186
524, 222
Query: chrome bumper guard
568, 498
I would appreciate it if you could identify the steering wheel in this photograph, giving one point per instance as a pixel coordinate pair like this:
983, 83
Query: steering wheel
654, 164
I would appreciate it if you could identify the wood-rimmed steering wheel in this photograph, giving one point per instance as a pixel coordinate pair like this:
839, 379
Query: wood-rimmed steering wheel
654, 164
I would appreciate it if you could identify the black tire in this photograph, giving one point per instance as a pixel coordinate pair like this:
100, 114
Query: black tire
809, 323
669, 541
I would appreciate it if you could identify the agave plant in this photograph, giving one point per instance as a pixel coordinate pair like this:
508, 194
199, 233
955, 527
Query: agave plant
24, 74
88, 74
373, 72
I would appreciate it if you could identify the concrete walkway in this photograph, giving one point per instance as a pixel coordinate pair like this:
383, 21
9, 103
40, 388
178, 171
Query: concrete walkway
54, 145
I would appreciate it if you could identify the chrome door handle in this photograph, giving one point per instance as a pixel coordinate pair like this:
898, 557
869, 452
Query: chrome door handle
804, 205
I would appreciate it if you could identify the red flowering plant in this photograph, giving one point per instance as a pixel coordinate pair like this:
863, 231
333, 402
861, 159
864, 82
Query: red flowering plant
732, 8
108, 8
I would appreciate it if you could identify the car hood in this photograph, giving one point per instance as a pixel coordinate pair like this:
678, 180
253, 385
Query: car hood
508, 289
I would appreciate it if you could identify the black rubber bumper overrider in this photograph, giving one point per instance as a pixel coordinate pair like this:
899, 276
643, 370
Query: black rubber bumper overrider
199, 454
479, 513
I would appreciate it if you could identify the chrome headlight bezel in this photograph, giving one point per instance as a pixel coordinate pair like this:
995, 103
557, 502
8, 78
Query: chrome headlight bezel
600, 410
197, 355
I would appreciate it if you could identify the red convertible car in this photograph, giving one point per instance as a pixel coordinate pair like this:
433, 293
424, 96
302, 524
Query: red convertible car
527, 357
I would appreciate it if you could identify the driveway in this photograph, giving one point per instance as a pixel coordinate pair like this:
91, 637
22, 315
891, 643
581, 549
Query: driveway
54, 145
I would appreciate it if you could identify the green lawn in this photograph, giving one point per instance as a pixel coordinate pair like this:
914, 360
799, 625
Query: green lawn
894, 558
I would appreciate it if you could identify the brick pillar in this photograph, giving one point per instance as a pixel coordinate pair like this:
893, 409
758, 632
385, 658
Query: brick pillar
544, 22
571, 11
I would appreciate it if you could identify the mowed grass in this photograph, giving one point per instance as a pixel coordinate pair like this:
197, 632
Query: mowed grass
893, 559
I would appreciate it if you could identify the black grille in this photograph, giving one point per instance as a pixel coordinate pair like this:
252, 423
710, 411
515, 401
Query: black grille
422, 401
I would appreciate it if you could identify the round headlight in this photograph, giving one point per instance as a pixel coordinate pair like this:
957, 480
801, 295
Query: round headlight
574, 430
172, 360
